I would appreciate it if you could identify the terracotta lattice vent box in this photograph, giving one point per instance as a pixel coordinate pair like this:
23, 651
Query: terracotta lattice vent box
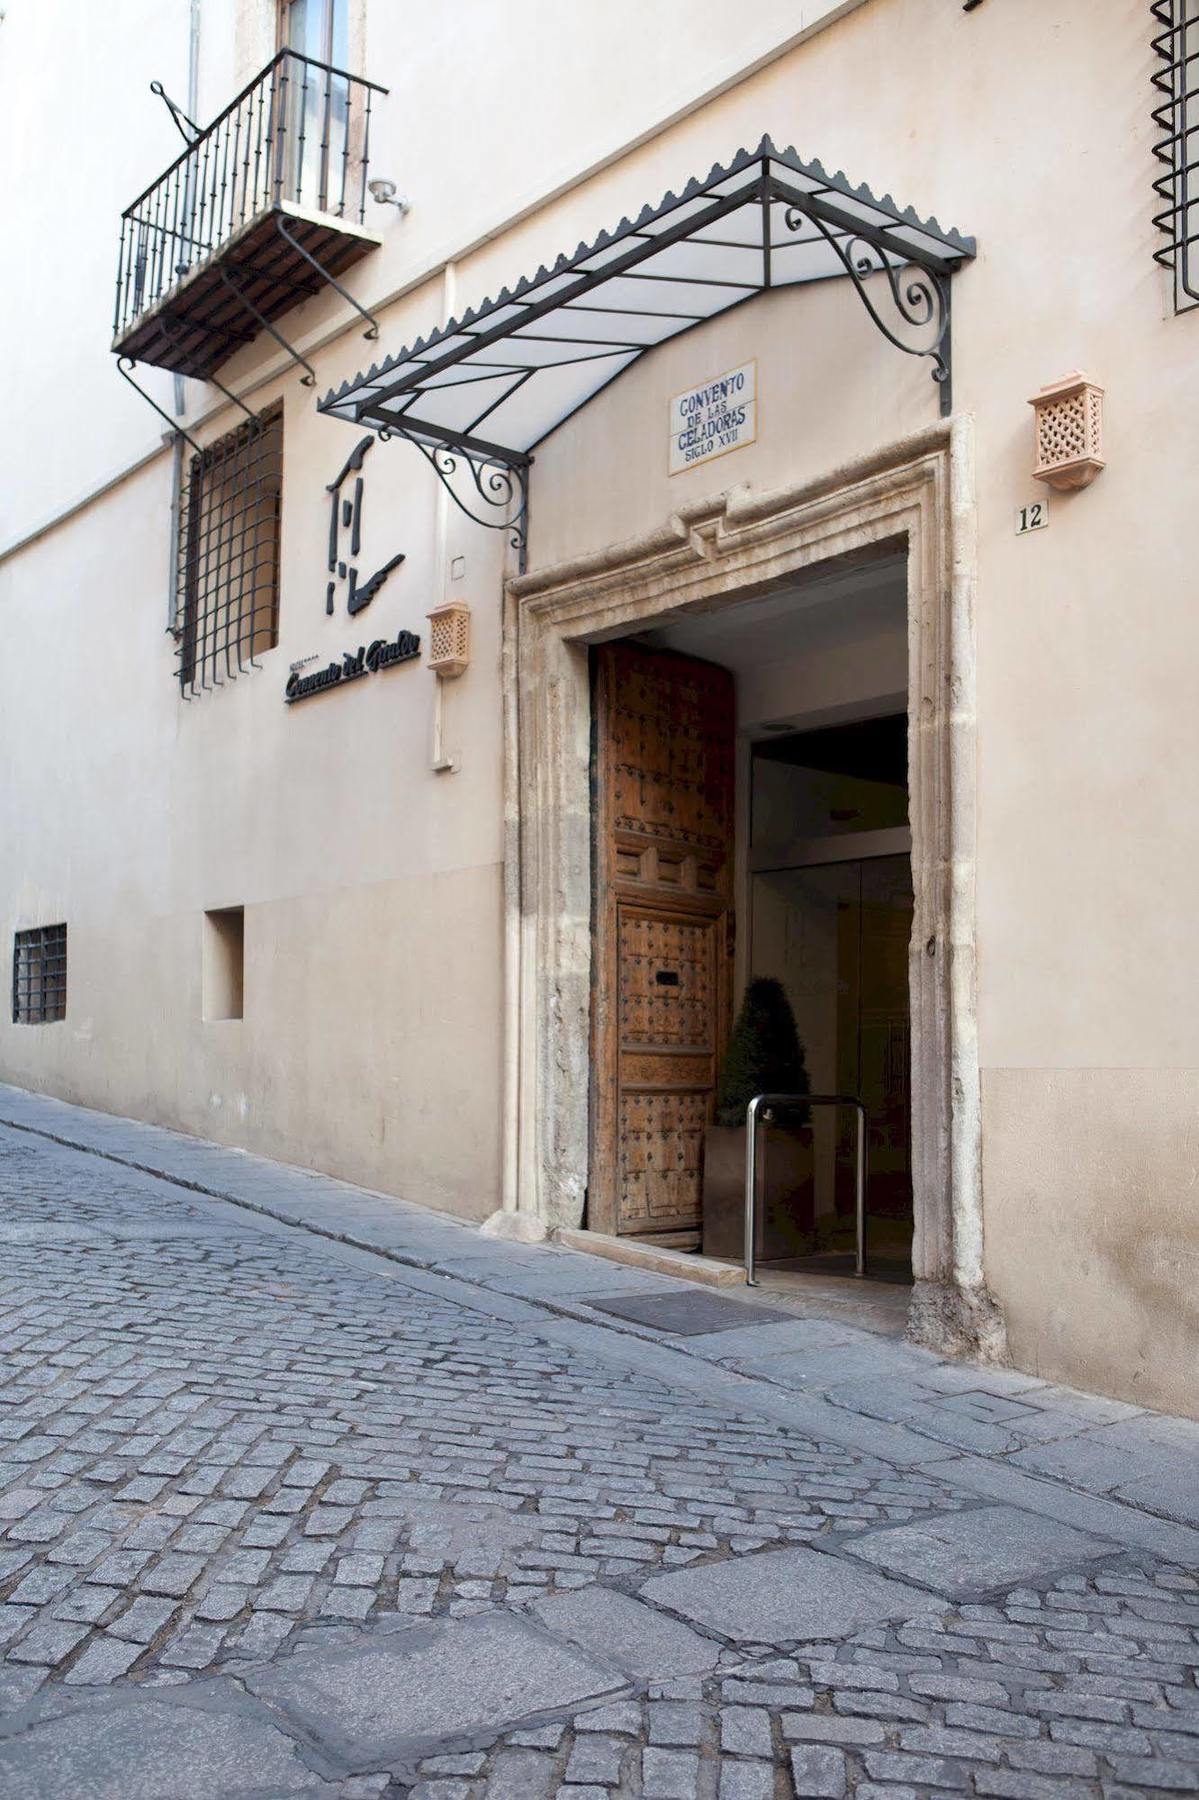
449, 639
1069, 427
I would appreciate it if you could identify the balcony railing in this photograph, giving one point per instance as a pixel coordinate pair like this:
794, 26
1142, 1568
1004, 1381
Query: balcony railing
294, 143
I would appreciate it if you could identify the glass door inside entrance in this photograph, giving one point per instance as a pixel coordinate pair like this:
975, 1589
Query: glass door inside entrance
837, 937
831, 919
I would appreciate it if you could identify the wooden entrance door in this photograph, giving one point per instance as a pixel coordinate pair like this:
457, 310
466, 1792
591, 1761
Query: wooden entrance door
662, 953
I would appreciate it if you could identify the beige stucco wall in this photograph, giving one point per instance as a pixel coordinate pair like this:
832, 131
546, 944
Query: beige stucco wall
370, 1041
373, 1036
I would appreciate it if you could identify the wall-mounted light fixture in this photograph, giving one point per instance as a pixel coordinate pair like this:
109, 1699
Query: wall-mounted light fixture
1069, 431
384, 194
449, 639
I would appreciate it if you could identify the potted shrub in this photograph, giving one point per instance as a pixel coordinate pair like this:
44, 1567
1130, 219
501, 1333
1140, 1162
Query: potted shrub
765, 1056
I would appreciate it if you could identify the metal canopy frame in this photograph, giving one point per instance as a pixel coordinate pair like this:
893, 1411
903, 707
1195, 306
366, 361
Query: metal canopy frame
489, 387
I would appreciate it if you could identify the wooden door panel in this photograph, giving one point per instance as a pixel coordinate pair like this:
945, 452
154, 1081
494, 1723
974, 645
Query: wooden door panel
663, 877
667, 971
666, 1054
661, 1160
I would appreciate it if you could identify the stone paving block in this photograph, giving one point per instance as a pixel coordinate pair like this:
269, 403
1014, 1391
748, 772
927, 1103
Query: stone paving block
688, 1312
622, 1716
678, 1723
393, 1692
826, 1728
106, 1659
1156, 1774
1085, 1461
754, 1347
18, 1684
147, 1748
86, 1603
81, 1548
142, 1621
746, 1781
263, 1634
348, 1603
778, 1596
637, 1638
745, 1731
49, 1642
596, 1757
358, 1570
194, 1648
287, 1593
1172, 1491
820, 1771
222, 1602
669, 1774
40, 1586
172, 1575
521, 1775
981, 1548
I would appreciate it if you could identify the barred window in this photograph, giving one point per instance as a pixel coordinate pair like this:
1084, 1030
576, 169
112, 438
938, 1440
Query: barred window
228, 578
1176, 146
39, 975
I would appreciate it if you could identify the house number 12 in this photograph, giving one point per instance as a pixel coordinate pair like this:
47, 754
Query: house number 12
1033, 517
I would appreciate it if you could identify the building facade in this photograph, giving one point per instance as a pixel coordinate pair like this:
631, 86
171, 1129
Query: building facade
562, 549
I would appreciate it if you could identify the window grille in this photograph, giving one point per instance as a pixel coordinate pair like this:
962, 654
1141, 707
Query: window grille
1176, 147
228, 573
39, 975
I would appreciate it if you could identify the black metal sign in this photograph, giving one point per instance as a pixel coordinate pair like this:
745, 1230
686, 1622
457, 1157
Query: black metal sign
346, 515
366, 660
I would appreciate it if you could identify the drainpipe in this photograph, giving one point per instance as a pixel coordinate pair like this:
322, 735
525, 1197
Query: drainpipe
440, 761
193, 90
513, 882
193, 103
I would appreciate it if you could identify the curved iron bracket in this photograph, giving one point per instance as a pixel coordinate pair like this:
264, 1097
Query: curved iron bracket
919, 295
124, 365
500, 485
372, 324
308, 379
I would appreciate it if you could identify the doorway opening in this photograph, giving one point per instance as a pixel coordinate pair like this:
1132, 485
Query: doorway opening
831, 920
750, 820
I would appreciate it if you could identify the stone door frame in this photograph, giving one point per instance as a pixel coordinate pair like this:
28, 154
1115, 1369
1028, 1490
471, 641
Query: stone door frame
719, 552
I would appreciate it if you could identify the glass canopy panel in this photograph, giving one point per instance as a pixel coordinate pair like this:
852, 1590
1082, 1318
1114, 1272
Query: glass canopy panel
642, 328
694, 259
528, 359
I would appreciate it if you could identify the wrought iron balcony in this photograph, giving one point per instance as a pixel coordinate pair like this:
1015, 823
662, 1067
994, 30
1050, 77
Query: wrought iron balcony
262, 208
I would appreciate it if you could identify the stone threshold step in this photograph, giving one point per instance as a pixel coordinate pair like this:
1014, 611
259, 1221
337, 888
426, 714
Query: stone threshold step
655, 1257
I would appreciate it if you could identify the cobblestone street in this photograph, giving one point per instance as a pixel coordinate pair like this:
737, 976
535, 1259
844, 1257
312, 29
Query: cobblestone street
282, 1514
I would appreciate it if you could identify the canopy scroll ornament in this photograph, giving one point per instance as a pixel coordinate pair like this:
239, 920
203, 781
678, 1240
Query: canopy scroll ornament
483, 392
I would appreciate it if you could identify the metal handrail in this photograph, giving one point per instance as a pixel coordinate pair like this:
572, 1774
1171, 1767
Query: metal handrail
756, 1105
279, 57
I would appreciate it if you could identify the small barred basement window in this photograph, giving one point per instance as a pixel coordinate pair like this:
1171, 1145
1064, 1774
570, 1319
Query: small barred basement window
39, 975
228, 573
1176, 146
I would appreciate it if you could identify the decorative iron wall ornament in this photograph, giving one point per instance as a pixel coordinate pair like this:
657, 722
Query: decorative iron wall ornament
499, 483
489, 387
919, 296
346, 515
